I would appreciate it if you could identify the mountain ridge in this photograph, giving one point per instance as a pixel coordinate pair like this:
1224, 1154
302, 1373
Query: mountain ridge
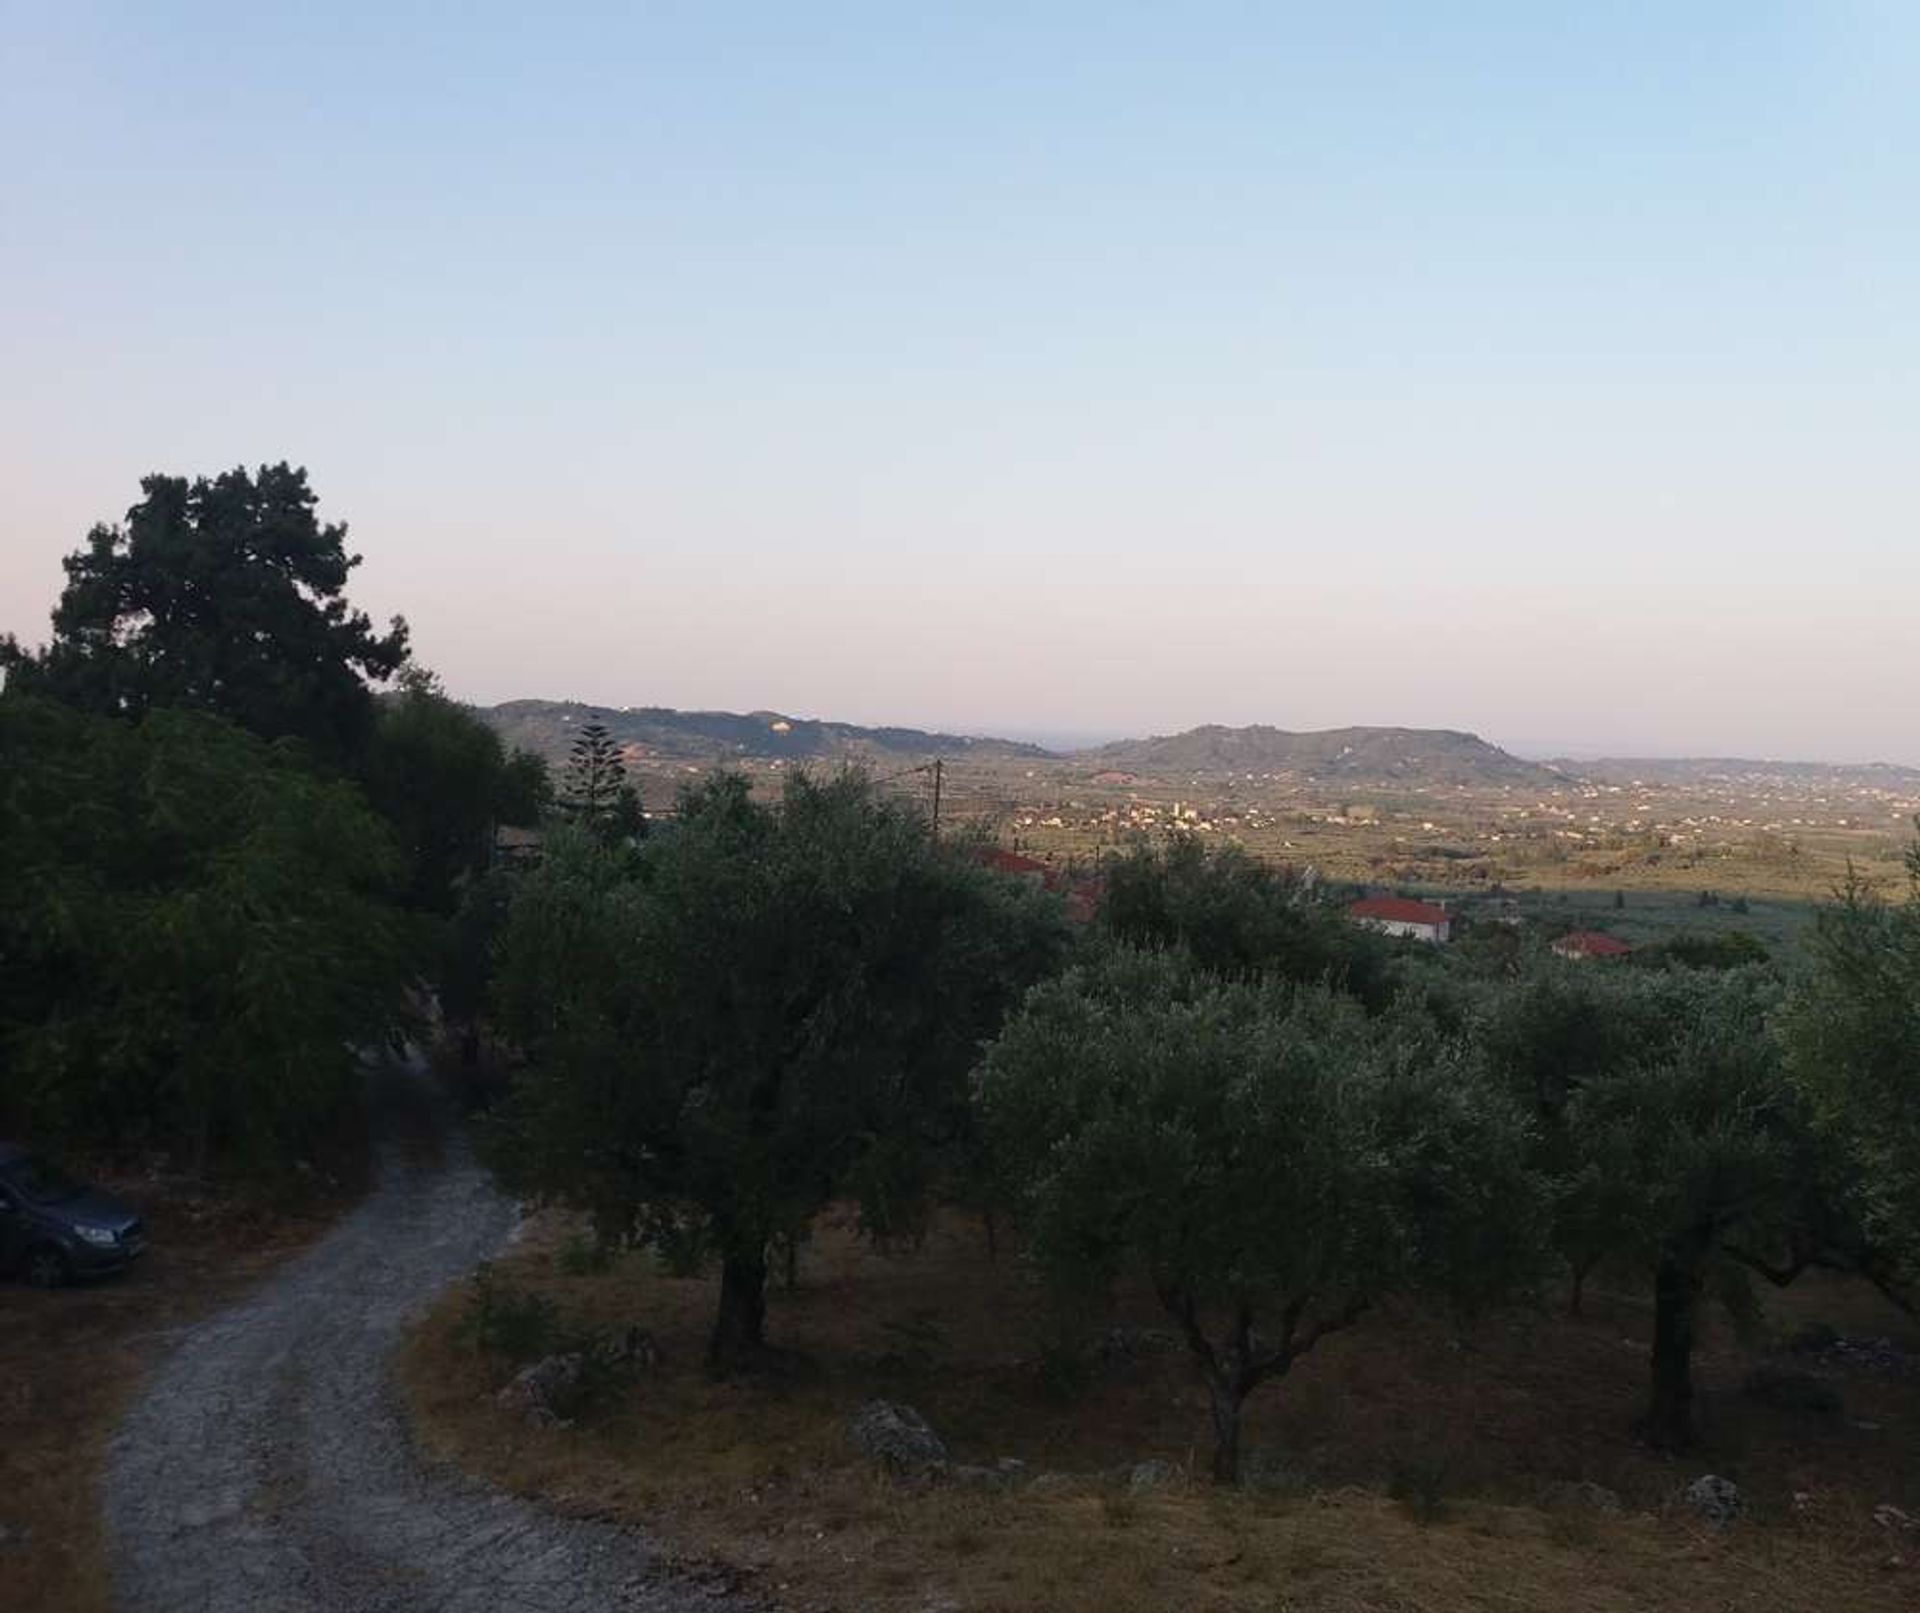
1384, 755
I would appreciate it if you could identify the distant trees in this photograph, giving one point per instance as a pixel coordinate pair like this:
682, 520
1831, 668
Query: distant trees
775, 1005
1239, 917
196, 931
1269, 1159
224, 595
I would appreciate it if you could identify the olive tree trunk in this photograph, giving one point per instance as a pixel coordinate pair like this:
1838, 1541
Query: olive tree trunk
1676, 1301
740, 1325
1227, 1398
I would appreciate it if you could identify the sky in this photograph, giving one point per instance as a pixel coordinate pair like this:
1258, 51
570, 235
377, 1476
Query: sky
1547, 371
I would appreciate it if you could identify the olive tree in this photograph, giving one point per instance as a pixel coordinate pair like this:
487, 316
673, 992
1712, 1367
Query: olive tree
1239, 916
1853, 1038
1269, 1159
1676, 1143
768, 1007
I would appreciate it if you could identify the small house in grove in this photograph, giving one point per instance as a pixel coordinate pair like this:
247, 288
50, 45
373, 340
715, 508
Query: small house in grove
1591, 944
1401, 915
1083, 892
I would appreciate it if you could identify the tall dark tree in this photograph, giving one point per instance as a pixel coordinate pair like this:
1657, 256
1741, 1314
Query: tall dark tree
594, 790
775, 1005
224, 595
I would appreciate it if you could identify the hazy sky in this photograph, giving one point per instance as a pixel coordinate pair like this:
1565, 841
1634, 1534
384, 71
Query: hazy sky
1541, 369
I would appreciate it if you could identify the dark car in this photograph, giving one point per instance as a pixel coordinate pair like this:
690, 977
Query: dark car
54, 1229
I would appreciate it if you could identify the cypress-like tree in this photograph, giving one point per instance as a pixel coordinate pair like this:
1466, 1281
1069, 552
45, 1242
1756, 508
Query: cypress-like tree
594, 789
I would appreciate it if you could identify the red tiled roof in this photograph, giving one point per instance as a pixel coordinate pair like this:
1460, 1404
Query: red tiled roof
1010, 862
1593, 944
1398, 910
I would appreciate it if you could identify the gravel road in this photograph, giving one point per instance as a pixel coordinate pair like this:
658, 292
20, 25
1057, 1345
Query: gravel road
267, 1467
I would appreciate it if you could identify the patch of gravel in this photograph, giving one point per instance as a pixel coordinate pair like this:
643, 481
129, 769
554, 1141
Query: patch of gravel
267, 1467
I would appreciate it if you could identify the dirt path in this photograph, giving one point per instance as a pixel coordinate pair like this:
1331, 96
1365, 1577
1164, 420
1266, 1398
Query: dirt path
267, 1466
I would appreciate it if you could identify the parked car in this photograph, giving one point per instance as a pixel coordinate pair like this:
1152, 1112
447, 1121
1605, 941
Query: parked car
54, 1229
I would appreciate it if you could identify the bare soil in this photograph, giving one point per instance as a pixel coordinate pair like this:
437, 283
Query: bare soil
1409, 1464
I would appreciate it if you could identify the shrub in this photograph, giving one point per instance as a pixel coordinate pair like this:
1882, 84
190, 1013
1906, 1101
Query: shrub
584, 1255
507, 1322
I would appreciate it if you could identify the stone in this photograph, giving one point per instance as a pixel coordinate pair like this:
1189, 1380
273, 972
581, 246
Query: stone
897, 1437
1718, 1501
1790, 1389
1152, 1475
541, 1393
1053, 1484
1583, 1494
1888, 1516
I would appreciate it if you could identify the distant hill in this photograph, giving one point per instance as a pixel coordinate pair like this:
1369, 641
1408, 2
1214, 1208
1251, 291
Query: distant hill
1362, 755
1377, 756
547, 727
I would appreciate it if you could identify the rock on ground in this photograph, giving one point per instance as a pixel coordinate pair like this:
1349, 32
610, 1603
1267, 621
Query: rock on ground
1716, 1500
541, 1393
267, 1468
1152, 1475
897, 1437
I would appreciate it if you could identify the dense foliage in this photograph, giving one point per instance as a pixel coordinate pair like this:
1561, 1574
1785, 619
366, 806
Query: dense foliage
1853, 1038
443, 779
224, 595
1239, 917
1272, 1160
217, 842
196, 929
768, 1007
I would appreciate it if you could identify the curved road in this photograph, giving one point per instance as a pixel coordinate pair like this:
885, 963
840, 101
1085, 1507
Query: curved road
267, 1468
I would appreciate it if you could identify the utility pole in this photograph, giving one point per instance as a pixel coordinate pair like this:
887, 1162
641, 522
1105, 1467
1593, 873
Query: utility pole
938, 767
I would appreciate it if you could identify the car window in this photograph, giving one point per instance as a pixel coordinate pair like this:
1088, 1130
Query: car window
41, 1180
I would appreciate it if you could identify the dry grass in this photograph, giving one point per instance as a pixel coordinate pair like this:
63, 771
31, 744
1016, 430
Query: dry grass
71, 1361
756, 1474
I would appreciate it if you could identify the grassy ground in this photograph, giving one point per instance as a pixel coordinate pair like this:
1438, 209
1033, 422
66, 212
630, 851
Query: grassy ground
1477, 1427
72, 1360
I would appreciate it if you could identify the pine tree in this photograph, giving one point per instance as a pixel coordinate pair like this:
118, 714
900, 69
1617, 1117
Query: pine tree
594, 788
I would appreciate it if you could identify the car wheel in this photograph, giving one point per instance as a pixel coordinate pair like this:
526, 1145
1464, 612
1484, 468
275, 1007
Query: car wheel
46, 1267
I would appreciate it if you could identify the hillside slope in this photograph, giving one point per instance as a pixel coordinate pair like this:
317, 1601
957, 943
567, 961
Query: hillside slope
1364, 755
547, 727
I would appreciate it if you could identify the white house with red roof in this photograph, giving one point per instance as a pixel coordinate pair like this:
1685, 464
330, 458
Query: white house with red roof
1401, 915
